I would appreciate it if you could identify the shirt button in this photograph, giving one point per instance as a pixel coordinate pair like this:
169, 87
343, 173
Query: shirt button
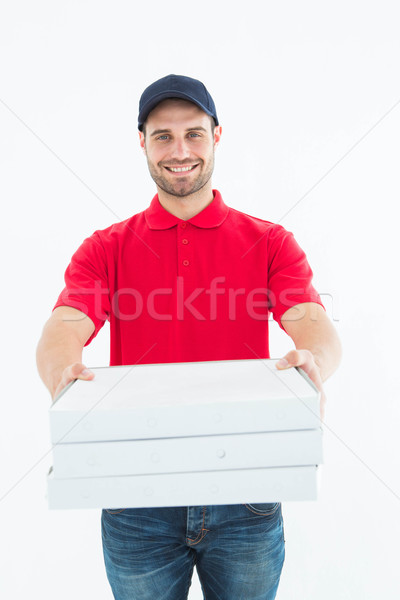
183, 225
185, 241
185, 262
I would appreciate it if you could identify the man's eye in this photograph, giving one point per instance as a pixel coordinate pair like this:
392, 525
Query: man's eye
194, 134
162, 137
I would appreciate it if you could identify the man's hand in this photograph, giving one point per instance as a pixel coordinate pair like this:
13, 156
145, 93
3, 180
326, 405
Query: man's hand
59, 351
305, 359
75, 371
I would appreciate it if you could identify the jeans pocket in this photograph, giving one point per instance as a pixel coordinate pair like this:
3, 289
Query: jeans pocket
114, 511
263, 509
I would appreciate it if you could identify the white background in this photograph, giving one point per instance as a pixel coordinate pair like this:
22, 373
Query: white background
308, 95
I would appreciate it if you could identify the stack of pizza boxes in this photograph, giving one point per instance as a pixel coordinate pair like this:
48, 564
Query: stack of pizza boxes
185, 434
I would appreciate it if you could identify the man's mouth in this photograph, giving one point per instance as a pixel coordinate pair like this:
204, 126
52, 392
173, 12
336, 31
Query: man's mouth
185, 169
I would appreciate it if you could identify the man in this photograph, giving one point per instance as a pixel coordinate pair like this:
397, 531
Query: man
188, 279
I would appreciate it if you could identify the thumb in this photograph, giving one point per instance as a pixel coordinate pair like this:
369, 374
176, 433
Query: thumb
85, 374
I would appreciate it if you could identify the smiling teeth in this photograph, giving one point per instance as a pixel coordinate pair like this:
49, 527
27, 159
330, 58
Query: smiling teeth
179, 169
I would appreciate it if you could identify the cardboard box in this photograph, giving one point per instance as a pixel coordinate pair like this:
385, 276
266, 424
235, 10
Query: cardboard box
184, 399
177, 455
247, 486
214, 432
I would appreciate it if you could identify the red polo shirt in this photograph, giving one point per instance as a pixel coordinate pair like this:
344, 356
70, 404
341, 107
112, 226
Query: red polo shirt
195, 290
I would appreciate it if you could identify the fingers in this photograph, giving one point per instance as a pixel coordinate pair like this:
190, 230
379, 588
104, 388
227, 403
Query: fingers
305, 360
72, 372
78, 371
75, 371
295, 358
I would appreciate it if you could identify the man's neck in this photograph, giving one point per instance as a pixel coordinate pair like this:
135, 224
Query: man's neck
186, 207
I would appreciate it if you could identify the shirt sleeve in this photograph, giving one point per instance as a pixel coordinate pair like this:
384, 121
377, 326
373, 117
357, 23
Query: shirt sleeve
289, 275
86, 283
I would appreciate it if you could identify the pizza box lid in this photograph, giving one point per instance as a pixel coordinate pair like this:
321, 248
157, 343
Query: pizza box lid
184, 399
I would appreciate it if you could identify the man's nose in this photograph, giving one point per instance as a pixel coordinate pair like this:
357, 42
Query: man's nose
180, 149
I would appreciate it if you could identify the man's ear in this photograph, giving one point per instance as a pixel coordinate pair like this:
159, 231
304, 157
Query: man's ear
217, 135
142, 141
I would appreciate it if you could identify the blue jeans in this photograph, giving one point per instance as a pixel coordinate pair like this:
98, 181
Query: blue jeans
238, 551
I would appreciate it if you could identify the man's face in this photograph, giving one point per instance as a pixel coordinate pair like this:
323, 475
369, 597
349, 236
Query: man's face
179, 135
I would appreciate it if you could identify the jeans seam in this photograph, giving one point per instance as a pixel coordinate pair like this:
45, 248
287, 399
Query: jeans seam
202, 533
262, 514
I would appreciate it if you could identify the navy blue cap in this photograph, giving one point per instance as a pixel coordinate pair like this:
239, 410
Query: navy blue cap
175, 86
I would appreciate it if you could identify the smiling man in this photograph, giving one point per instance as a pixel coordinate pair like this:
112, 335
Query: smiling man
188, 279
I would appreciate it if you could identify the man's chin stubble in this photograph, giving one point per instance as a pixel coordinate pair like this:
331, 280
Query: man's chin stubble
176, 191
182, 192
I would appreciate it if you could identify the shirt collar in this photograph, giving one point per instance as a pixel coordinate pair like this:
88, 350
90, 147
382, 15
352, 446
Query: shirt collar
212, 215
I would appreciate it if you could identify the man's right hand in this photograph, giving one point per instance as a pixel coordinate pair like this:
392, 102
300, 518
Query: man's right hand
70, 373
63, 338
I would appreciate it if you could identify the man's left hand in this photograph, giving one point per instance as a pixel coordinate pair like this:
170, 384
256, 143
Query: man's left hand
305, 359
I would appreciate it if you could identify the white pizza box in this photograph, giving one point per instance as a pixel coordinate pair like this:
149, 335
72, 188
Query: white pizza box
184, 399
188, 454
274, 484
